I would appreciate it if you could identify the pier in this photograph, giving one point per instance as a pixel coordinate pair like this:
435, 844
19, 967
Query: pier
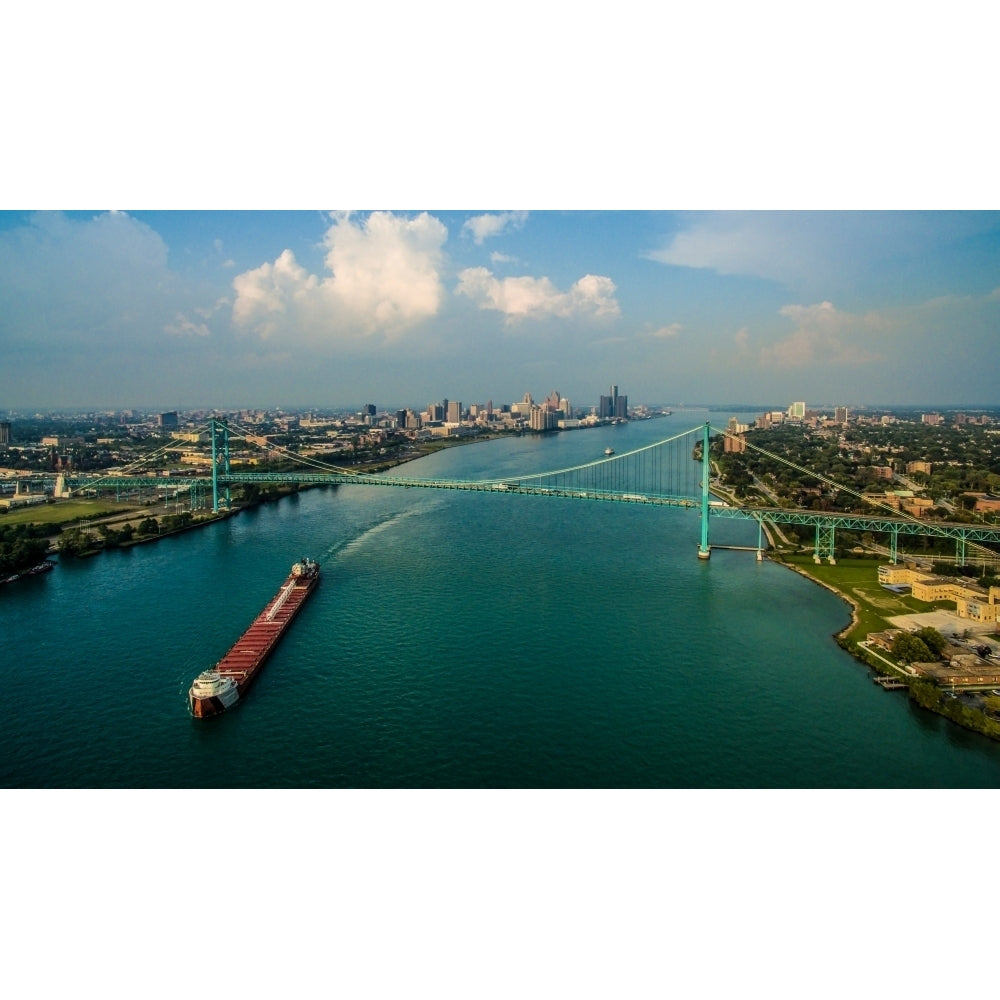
889, 683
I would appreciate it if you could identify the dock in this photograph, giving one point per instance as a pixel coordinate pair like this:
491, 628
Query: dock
889, 683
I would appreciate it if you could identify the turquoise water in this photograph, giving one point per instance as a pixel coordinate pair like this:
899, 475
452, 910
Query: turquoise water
460, 640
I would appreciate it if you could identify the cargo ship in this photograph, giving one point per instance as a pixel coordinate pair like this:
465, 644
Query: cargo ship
221, 687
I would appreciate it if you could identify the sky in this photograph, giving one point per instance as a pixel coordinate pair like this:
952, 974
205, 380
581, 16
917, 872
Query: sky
325, 308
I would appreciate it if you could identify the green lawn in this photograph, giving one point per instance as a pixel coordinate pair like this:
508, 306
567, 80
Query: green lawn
65, 512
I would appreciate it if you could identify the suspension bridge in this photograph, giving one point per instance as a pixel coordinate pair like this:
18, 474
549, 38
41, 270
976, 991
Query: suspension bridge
675, 472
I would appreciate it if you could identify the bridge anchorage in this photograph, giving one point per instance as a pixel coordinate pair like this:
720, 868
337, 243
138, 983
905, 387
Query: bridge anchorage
674, 472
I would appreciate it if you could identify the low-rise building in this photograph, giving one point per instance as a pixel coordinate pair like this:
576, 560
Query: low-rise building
971, 600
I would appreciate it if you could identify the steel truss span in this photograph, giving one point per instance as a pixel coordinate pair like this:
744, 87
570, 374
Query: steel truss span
666, 473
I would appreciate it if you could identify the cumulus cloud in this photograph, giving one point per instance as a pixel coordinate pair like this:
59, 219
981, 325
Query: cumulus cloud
483, 227
824, 335
384, 278
526, 297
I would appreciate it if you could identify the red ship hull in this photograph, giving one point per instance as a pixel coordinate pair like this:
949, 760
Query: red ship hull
220, 688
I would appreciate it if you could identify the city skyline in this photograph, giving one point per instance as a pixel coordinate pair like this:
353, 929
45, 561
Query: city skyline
186, 309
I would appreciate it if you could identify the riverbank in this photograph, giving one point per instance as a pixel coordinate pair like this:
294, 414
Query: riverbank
871, 615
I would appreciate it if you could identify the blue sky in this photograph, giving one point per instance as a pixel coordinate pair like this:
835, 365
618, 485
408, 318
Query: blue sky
655, 120
320, 308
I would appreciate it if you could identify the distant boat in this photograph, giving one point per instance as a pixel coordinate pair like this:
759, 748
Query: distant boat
609, 451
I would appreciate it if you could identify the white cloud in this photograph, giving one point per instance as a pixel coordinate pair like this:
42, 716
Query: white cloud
184, 327
483, 227
502, 258
523, 297
103, 279
814, 252
384, 278
208, 312
761, 244
824, 335
666, 332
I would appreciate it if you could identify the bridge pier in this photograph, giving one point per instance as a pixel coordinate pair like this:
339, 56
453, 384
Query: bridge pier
215, 463
704, 549
825, 536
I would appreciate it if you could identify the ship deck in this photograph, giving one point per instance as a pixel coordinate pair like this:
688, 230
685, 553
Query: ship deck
252, 648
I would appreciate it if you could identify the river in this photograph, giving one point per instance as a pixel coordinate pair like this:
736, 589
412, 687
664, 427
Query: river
461, 640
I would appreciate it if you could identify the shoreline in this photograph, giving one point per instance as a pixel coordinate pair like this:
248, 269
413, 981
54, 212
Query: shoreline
921, 693
849, 601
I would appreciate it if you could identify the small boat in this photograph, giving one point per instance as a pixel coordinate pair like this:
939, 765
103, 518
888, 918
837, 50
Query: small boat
609, 451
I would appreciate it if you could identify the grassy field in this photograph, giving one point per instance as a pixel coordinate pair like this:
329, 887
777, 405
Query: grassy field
66, 512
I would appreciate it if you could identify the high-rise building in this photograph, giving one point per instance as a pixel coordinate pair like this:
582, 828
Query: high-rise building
543, 419
454, 412
168, 421
613, 406
4, 432
840, 414
797, 411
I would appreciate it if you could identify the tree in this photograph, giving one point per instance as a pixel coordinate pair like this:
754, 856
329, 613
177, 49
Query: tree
909, 649
75, 542
19, 552
933, 640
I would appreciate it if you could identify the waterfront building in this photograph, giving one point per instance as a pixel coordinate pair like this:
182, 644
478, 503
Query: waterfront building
543, 419
972, 602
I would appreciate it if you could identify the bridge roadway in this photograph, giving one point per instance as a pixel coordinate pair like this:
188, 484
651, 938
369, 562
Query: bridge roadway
823, 521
